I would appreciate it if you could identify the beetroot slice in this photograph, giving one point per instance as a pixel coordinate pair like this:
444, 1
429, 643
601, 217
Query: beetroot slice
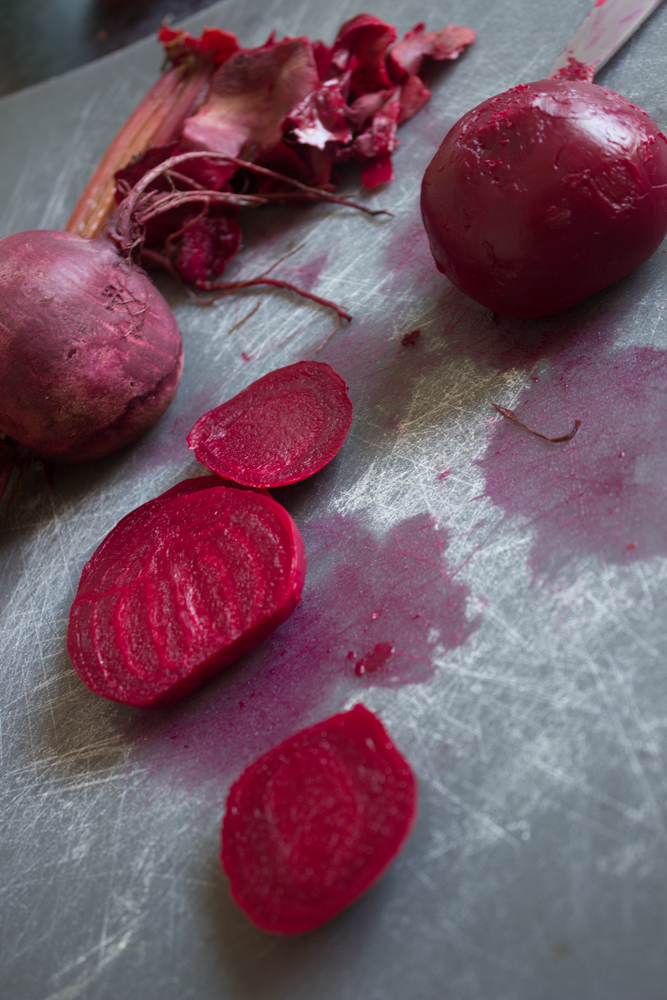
180, 588
312, 824
282, 428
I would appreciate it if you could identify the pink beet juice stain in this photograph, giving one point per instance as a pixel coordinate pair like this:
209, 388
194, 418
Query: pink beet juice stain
305, 275
603, 493
375, 660
388, 602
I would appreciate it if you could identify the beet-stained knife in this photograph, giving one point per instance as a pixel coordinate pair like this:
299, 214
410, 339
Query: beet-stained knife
601, 34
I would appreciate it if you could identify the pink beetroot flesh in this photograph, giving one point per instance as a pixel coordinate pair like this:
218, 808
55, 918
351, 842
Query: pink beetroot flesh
90, 353
545, 194
312, 824
282, 428
180, 588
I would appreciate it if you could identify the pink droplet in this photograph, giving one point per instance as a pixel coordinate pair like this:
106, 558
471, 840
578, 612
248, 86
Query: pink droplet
375, 660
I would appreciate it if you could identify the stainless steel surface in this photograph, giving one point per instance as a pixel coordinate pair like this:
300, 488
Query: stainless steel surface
537, 870
605, 29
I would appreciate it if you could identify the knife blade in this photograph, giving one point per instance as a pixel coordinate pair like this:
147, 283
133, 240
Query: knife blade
605, 29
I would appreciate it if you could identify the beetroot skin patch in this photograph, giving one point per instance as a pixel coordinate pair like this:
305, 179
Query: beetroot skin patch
315, 822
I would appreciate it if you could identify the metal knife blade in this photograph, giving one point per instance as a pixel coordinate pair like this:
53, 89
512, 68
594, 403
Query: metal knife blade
606, 28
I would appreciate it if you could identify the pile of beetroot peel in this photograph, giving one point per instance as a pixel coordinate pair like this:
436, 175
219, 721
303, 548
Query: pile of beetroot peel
295, 107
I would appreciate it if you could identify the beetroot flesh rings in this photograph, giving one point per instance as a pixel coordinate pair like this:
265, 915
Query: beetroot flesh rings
543, 195
182, 587
90, 353
279, 430
315, 822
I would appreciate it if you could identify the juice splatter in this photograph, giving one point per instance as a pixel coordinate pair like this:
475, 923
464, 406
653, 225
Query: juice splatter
604, 492
375, 660
307, 274
303, 670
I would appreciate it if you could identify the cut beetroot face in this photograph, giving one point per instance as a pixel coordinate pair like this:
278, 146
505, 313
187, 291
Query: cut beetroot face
282, 428
180, 588
312, 824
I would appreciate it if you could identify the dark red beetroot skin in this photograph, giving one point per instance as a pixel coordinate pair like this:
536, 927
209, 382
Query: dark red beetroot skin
90, 353
545, 194
312, 824
282, 428
180, 588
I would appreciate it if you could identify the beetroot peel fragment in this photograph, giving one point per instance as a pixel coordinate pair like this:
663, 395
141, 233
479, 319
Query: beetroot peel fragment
278, 430
315, 822
182, 587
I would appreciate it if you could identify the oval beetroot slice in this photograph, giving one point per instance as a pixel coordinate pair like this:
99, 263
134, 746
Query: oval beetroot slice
312, 824
180, 588
279, 430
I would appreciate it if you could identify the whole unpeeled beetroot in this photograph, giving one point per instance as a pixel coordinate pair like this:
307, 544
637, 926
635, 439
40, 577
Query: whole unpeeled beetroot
542, 195
90, 352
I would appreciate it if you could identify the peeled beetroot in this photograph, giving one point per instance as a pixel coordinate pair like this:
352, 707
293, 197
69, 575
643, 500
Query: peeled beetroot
282, 428
545, 194
180, 588
90, 353
312, 824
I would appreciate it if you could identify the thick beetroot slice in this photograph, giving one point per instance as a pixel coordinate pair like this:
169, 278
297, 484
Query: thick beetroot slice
282, 428
312, 824
180, 588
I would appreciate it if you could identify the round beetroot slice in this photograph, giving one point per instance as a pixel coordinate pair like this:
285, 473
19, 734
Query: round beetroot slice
312, 824
180, 588
279, 430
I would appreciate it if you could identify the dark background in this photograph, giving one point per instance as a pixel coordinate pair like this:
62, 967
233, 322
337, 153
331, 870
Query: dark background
42, 38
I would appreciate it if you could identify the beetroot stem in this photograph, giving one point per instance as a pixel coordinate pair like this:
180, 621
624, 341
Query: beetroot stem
329, 335
263, 279
246, 317
316, 193
140, 205
510, 415
229, 287
155, 121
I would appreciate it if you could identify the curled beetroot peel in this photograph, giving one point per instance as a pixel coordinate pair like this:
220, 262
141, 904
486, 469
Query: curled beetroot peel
296, 106
543, 195
180, 588
282, 428
312, 824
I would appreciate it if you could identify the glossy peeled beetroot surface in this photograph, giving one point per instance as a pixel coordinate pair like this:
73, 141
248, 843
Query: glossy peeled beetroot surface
180, 588
282, 428
312, 824
545, 194
90, 352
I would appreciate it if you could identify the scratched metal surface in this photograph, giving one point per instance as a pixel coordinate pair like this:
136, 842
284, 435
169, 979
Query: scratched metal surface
538, 866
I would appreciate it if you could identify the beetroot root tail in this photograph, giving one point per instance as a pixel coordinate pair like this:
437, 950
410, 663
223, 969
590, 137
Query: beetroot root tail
225, 288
